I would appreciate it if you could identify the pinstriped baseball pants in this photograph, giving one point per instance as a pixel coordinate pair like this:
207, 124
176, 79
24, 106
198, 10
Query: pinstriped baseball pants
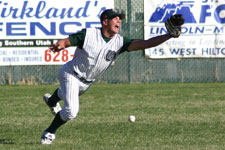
70, 90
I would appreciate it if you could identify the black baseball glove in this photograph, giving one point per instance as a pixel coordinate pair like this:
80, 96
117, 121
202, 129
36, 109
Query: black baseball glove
173, 25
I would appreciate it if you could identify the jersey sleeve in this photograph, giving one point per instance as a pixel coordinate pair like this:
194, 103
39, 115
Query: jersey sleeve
127, 41
77, 39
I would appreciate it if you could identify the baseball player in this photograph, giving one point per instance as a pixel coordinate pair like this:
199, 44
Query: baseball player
96, 49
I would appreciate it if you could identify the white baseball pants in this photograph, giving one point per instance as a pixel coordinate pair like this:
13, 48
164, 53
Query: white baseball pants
70, 89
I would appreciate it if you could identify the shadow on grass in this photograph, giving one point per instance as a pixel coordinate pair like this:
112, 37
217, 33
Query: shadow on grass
7, 141
10, 142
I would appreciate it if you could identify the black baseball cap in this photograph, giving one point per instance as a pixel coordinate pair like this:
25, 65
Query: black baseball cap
111, 13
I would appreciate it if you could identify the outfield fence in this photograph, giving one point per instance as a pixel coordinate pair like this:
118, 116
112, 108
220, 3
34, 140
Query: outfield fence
129, 67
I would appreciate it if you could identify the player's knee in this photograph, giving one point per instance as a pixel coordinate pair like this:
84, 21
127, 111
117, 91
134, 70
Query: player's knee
72, 115
68, 114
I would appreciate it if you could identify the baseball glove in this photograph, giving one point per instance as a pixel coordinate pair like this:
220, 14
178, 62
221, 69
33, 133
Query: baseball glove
173, 25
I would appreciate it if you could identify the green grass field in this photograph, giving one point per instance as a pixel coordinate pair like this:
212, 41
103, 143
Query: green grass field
175, 116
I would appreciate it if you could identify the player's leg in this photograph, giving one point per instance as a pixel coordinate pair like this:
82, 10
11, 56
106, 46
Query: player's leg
58, 121
48, 136
70, 93
52, 101
71, 89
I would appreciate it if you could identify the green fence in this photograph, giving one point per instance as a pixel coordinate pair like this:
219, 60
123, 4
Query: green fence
129, 67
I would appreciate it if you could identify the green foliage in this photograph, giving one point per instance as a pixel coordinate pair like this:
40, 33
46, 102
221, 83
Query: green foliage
175, 116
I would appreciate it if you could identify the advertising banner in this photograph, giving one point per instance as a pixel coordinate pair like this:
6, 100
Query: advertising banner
28, 27
202, 35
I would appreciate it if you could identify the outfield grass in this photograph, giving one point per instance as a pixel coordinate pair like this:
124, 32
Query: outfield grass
175, 116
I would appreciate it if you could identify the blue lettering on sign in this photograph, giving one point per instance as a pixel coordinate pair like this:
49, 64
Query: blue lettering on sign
163, 13
10, 29
206, 10
218, 30
19, 28
1, 25
89, 24
218, 10
33, 26
41, 11
64, 24
204, 13
183, 51
213, 51
26, 11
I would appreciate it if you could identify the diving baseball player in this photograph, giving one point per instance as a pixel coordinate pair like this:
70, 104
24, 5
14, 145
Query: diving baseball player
96, 49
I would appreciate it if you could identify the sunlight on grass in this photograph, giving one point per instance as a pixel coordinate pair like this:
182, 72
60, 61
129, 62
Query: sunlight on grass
174, 116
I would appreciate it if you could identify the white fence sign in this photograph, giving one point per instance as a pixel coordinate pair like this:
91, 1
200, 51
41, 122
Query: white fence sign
28, 27
203, 34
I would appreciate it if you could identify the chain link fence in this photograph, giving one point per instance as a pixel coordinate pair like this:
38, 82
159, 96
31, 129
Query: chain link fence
129, 67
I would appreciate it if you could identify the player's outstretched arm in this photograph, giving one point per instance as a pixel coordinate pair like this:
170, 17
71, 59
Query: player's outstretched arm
61, 44
152, 42
173, 26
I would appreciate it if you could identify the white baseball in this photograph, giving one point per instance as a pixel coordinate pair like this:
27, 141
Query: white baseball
132, 118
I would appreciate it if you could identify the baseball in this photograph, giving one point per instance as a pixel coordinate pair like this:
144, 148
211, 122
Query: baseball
132, 118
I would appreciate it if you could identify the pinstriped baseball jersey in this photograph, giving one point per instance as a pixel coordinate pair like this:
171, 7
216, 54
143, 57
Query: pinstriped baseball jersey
96, 54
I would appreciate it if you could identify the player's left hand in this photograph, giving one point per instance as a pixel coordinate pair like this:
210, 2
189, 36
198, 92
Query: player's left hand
56, 47
173, 25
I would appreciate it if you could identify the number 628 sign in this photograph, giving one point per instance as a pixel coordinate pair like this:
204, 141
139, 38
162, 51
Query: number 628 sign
61, 56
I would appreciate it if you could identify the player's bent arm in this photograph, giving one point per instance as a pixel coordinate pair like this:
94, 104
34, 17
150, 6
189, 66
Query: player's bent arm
61, 44
152, 42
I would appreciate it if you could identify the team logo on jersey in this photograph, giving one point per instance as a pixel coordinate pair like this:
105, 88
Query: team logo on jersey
110, 55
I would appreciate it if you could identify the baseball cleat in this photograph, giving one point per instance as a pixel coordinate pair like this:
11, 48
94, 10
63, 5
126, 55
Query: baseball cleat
47, 138
54, 109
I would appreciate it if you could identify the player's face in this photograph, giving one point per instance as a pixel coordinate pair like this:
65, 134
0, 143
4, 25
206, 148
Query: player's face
114, 24
111, 26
